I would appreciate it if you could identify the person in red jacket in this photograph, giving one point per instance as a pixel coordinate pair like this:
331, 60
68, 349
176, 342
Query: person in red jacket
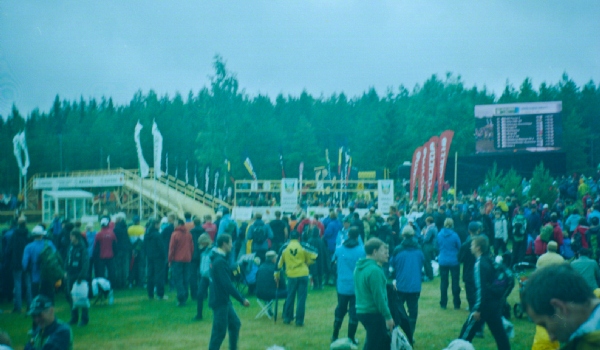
181, 249
558, 235
105, 246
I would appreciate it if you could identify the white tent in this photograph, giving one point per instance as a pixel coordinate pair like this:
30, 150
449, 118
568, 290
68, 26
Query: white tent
72, 205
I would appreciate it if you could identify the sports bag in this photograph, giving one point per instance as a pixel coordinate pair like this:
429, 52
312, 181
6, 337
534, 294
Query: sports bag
51, 264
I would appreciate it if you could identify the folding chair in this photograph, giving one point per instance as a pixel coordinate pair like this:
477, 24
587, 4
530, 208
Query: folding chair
265, 308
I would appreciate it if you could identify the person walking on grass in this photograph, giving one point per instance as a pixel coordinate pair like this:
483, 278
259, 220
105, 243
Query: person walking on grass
221, 288
181, 249
296, 258
449, 246
371, 296
347, 255
156, 256
488, 307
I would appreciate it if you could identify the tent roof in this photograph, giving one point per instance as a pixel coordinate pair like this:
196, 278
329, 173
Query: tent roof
69, 194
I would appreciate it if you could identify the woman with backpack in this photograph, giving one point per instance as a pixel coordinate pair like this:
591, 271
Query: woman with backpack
204, 251
77, 269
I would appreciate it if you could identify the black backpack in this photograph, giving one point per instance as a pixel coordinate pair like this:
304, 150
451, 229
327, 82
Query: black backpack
259, 234
504, 281
51, 264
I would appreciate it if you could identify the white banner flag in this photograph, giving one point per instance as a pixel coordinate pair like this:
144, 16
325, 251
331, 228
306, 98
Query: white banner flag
26, 152
158, 140
206, 179
385, 195
17, 151
187, 178
144, 168
216, 182
289, 195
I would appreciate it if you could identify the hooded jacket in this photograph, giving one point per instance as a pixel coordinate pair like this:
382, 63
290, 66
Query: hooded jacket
369, 286
449, 246
77, 261
347, 255
297, 258
105, 243
221, 287
18, 242
331, 233
181, 247
407, 262
154, 245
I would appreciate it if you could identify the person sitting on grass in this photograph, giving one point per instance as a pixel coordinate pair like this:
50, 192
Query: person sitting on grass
49, 333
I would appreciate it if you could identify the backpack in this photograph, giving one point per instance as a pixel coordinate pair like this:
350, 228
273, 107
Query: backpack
568, 247
230, 229
205, 263
504, 281
259, 234
50, 264
547, 233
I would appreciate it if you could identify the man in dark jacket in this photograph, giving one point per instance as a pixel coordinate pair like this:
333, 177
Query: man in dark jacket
266, 286
221, 288
488, 307
18, 242
429, 247
76, 267
280, 232
49, 333
156, 255
467, 258
123, 253
196, 232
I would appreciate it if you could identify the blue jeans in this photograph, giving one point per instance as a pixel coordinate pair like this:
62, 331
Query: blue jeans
180, 273
296, 285
224, 318
20, 277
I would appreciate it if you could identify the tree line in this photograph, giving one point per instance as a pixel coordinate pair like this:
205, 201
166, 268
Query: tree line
221, 121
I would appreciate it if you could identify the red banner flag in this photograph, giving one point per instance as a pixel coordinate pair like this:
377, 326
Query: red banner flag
423, 172
415, 166
443, 149
431, 166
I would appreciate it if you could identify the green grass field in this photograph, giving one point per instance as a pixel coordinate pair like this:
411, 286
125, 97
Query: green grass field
134, 322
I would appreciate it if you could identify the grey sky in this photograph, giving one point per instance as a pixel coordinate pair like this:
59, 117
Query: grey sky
114, 48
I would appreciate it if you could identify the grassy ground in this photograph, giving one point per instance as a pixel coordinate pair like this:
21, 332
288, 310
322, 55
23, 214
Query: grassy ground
134, 322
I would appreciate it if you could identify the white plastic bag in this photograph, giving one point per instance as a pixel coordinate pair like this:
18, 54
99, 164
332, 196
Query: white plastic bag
79, 293
509, 328
435, 267
399, 340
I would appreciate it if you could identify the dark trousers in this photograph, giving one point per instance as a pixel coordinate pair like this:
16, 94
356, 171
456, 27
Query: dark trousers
330, 274
492, 315
316, 272
296, 285
519, 250
203, 283
471, 292
454, 271
180, 273
194, 278
156, 277
429, 253
412, 304
224, 319
121, 261
104, 265
346, 304
377, 334
499, 245
138, 268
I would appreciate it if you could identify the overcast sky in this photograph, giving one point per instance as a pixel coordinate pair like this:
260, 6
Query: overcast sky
116, 47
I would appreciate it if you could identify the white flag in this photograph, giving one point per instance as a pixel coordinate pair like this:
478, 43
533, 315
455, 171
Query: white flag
24, 148
144, 169
187, 179
196, 176
206, 179
17, 151
158, 140
216, 182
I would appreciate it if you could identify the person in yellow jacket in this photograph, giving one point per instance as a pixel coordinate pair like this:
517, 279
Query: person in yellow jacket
559, 299
296, 258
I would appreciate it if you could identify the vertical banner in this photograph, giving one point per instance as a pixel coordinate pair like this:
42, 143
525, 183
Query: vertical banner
187, 178
414, 170
423, 173
206, 178
216, 183
144, 168
385, 195
443, 150
431, 166
158, 141
289, 195
250, 168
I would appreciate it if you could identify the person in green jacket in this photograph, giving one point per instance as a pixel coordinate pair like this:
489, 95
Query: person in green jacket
371, 297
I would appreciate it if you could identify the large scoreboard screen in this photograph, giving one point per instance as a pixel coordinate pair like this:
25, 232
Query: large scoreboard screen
518, 127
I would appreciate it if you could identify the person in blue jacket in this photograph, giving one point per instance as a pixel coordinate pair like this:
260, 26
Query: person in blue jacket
449, 246
330, 237
347, 255
407, 262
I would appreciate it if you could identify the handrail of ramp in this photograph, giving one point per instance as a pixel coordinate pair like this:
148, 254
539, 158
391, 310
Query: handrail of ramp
168, 180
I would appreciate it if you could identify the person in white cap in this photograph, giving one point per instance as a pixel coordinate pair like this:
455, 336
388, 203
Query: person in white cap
31, 262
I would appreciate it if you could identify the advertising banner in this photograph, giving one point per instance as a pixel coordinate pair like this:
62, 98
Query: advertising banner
385, 195
443, 149
79, 181
289, 195
414, 171
431, 166
422, 174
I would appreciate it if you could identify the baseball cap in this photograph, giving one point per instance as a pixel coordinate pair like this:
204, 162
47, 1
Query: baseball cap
104, 222
39, 304
270, 254
474, 226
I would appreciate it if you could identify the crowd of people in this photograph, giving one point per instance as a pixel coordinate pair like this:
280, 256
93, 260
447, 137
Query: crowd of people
282, 258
